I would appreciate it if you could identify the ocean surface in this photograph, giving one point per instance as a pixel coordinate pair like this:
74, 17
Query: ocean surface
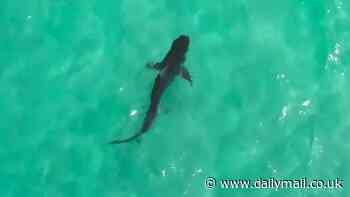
270, 98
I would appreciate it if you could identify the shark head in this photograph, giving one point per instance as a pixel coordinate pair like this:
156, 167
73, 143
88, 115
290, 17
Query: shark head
181, 43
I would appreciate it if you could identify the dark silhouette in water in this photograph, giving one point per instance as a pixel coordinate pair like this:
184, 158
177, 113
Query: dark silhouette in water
169, 68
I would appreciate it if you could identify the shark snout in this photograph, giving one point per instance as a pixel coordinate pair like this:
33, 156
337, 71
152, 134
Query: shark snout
182, 42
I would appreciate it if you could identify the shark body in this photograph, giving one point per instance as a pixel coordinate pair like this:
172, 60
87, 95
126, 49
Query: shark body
170, 67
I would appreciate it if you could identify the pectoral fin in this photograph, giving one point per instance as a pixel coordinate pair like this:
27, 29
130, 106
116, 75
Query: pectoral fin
185, 74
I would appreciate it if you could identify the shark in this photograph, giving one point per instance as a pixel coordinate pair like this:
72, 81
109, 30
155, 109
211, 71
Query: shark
171, 66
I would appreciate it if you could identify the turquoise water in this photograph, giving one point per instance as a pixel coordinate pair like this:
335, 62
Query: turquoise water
270, 97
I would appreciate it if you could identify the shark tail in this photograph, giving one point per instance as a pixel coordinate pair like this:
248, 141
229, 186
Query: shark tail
127, 139
151, 114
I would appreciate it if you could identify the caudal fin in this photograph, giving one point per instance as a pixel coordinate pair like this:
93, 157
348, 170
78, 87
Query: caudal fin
127, 139
151, 114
